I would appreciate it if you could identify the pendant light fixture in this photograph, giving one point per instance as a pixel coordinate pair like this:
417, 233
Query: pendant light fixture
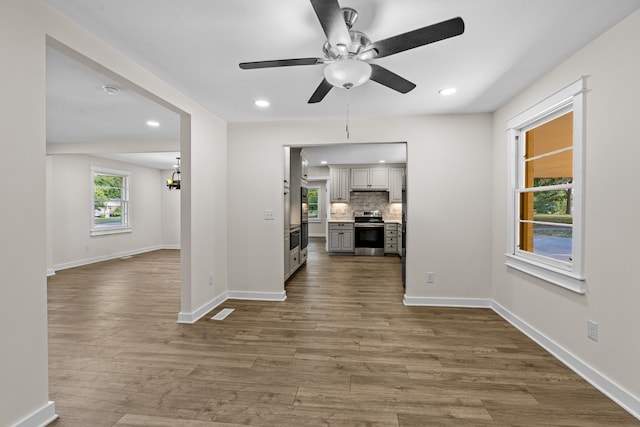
174, 181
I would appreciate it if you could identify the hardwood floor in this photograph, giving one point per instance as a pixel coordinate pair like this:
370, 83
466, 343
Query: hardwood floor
342, 350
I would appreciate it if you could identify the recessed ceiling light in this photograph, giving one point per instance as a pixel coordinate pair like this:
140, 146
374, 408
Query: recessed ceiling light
110, 90
447, 91
263, 103
153, 123
381, 161
323, 162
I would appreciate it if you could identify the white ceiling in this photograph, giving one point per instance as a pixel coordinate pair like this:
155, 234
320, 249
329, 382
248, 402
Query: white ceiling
196, 46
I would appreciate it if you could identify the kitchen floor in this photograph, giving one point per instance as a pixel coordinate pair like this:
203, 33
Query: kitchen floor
342, 350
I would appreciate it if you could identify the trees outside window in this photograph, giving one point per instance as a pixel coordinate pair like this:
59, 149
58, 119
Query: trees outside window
314, 204
110, 201
545, 234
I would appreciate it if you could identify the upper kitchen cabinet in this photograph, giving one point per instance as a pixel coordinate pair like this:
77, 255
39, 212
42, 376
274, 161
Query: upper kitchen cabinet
395, 185
339, 185
376, 178
304, 163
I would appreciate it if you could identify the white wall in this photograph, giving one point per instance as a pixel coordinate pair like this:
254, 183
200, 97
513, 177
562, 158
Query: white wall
612, 64
23, 296
448, 172
71, 209
24, 26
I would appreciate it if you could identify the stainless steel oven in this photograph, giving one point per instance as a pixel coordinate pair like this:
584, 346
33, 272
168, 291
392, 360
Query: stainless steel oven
368, 230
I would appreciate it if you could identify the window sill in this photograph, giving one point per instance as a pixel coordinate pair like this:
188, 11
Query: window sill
115, 230
564, 279
315, 220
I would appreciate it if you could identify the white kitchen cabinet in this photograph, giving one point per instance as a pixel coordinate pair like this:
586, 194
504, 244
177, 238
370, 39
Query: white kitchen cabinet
395, 185
294, 259
339, 185
376, 178
390, 238
304, 160
341, 237
287, 255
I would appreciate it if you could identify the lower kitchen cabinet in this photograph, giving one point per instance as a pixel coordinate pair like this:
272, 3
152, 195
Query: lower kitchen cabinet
391, 242
294, 259
341, 237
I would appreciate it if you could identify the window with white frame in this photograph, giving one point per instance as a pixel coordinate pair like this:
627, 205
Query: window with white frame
110, 201
546, 194
313, 197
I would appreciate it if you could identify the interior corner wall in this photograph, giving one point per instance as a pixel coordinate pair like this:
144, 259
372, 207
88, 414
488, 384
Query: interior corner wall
449, 198
612, 66
24, 28
203, 159
71, 210
23, 293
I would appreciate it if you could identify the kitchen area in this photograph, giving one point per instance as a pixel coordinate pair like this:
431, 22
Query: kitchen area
363, 210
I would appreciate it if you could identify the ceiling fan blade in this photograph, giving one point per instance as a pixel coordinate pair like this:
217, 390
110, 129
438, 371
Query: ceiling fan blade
332, 21
321, 92
420, 37
389, 79
280, 63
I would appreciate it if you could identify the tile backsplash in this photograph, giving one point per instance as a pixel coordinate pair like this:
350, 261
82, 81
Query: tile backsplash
367, 201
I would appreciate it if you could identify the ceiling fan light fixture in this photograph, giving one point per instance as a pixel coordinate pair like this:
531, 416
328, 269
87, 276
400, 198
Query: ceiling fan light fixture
347, 73
447, 91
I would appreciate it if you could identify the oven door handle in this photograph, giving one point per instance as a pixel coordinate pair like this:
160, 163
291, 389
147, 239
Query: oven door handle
368, 225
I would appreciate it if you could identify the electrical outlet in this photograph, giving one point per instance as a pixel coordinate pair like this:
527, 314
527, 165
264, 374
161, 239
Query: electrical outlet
269, 215
87, 248
210, 279
592, 330
429, 277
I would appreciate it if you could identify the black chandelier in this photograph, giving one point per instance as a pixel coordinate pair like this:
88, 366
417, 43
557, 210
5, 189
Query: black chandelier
174, 181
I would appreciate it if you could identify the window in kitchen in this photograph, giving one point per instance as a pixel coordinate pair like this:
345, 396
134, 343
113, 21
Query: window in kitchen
314, 204
110, 201
545, 235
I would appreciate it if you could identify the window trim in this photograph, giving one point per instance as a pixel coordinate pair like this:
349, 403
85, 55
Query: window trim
319, 218
127, 228
567, 275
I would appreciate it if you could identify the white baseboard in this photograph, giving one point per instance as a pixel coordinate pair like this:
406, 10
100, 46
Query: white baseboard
190, 318
616, 393
41, 417
177, 246
101, 258
447, 302
612, 390
51, 272
258, 296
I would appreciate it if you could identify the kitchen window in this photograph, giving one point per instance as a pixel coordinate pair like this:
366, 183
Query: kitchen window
545, 203
314, 204
110, 201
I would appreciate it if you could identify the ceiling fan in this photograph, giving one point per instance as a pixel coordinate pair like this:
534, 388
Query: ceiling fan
347, 52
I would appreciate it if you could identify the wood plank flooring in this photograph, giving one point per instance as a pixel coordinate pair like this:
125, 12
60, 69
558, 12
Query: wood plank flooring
342, 350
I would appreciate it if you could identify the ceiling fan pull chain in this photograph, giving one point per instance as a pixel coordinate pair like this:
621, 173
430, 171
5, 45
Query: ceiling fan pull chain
347, 124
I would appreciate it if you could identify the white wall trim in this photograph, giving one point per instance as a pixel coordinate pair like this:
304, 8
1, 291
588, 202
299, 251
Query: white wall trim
612, 390
447, 302
190, 318
41, 417
626, 400
51, 272
176, 246
193, 317
258, 296
87, 261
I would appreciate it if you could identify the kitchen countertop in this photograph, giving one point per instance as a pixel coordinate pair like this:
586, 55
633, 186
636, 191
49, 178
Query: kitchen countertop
340, 220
